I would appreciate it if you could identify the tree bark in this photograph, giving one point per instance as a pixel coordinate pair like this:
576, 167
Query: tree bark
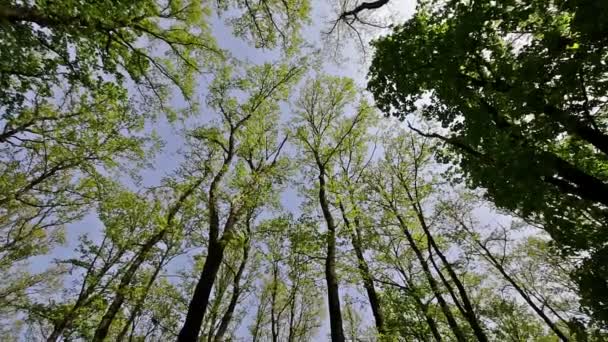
333, 292
200, 299
274, 319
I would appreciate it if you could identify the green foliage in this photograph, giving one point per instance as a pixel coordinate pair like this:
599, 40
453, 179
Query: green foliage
520, 87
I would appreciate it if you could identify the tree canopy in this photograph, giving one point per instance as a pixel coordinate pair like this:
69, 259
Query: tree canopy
197, 171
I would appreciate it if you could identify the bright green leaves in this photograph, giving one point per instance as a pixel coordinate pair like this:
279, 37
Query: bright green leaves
323, 125
245, 141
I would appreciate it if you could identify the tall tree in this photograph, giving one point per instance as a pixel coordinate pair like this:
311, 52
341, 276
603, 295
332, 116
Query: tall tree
290, 306
349, 187
245, 173
322, 127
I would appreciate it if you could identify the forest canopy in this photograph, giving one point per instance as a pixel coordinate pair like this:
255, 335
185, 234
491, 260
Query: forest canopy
238, 170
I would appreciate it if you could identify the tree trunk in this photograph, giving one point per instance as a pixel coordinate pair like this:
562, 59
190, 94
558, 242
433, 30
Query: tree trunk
104, 326
292, 312
140, 302
215, 254
102, 329
517, 288
468, 312
411, 291
429, 320
368, 282
85, 292
274, 320
333, 292
432, 282
200, 299
236, 292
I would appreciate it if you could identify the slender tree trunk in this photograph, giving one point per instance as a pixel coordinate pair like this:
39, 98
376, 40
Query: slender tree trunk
259, 317
429, 320
446, 282
85, 293
528, 300
274, 320
432, 282
333, 292
214, 309
518, 288
236, 292
411, 291
292, 312
368, 282
469, 311
102, 329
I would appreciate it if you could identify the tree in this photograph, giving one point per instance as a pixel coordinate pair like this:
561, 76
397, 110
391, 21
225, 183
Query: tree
51, 172
244, 172
109, 272
519, 87
348, 183
321, 129
398, 186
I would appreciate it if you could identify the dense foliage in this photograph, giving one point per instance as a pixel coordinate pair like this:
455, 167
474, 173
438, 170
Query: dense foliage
290, 211
520, 90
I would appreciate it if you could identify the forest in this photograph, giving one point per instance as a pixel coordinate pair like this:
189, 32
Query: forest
296, 170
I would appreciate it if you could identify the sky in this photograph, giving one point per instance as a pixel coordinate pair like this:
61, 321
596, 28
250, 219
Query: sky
352, 65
